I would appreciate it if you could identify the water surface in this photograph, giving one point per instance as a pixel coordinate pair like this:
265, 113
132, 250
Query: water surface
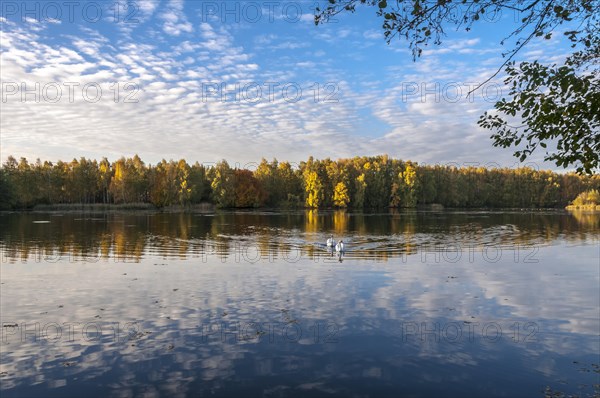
422, 304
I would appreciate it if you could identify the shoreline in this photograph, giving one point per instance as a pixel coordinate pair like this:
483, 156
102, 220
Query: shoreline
212, 209
583, 207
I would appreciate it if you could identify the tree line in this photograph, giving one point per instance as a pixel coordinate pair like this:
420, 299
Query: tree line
355, 183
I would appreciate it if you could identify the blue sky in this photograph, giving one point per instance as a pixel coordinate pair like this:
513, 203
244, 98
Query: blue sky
336, 90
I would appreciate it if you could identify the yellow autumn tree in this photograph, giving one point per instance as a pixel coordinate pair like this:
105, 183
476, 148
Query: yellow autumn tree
409, 178
117, 185
340, 195
184, 192
314, 189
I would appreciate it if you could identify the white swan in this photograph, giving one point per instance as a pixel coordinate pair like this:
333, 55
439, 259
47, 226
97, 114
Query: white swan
340, 246
330, 241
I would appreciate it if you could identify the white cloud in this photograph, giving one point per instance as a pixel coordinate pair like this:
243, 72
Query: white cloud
169, 103
306, 64
175, 116
175, 20
147, 6
373, 34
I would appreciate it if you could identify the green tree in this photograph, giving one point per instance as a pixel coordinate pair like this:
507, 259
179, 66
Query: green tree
377, 172
130, 181
291, 185
6, 191
358, 202
23, 181
268, 176
163, 183
199, 182
555, 104
223, 185
428, 188
184, 187
84, 181
404, 188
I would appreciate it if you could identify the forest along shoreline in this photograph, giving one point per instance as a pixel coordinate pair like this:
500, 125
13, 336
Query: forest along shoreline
359, 183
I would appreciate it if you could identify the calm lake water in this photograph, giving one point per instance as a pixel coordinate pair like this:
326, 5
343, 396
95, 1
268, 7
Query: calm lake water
421, 304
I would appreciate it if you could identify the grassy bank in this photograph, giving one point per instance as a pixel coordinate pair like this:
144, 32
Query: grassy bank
588, 200
594, 207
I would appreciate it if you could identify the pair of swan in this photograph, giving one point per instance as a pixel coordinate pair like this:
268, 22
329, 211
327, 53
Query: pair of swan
339, 246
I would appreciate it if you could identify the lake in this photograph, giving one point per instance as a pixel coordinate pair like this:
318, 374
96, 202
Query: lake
420, 304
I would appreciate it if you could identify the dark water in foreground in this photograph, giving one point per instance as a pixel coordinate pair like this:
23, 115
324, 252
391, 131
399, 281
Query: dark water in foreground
428, 304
